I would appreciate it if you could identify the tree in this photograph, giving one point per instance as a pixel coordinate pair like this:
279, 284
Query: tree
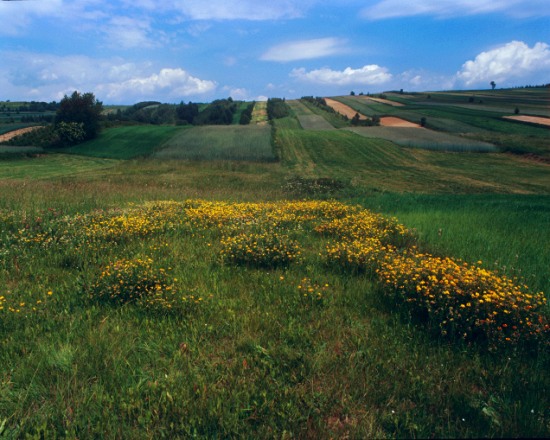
70, 133
493, 85
81, 108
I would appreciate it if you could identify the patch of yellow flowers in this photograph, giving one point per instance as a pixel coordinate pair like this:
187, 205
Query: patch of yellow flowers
460, 299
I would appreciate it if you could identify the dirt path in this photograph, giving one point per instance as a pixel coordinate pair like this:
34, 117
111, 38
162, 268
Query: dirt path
534, 119
11, 134
343, 109
390, 121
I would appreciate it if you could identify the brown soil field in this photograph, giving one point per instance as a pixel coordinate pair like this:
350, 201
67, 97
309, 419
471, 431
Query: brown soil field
384, 101
390, 121
533, 119
11, 134
344, 109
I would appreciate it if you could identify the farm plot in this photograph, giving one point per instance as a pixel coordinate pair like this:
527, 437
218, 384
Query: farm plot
343, 109
391, 121
259, 114
314, 122
11, 134
309, 120
248, 142
425, 139
532, 119
125, 142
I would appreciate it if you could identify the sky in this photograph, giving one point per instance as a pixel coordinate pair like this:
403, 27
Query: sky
127, 51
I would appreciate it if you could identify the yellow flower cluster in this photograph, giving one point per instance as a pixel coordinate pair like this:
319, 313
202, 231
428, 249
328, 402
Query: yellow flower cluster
363, 224
138, 221
131, 280
265, 249
141, 281
465, 300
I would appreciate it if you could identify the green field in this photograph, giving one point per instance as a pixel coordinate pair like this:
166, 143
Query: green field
220, 143
426, 139
126, 142
233, 321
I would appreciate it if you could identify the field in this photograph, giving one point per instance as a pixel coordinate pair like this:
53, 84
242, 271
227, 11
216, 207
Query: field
220, 143
126, 142
277, 282
423, 138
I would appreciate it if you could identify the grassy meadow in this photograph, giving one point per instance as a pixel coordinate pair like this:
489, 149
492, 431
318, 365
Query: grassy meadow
275, 282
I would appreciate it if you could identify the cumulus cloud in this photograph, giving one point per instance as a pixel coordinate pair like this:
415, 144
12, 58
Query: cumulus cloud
512, 60
452, 8
171, 83
367, 75
50, 77
304, 49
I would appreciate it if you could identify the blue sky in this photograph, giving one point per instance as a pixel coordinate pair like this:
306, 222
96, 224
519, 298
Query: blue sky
125, 51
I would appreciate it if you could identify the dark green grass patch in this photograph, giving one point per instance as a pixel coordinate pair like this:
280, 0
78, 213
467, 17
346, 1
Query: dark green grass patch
126, 142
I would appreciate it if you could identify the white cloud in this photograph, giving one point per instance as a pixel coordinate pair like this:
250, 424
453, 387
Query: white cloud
455, 8
241, 9
128, 33
169, 83
49, 77
512, 60
366, 75
304, 49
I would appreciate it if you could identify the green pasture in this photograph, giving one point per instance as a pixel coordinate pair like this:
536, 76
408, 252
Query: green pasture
220, 143
126, 142
426, 139
382, 165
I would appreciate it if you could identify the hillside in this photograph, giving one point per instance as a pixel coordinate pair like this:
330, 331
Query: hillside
305, 278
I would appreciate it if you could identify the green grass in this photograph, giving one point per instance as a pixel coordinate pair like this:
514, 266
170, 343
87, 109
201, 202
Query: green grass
426, 139
497, 229
255, 358
220, 143
126, 142
51, 166
380, 164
